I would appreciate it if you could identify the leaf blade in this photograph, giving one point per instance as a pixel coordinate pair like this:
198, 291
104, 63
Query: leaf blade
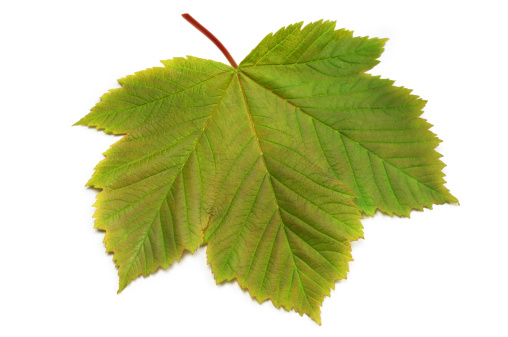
348, 111
275, 191
150, 202
317, 45
269, 164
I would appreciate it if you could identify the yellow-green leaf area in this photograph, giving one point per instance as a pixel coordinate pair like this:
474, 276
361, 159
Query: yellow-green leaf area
270, 165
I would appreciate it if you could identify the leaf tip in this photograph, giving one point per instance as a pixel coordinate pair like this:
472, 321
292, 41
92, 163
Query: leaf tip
453, 200
122, 284
80, 122
315, 316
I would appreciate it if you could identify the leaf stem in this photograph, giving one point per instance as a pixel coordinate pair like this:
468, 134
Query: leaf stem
212, 38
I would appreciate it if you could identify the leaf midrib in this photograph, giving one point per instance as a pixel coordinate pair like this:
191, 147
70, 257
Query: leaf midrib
273, 189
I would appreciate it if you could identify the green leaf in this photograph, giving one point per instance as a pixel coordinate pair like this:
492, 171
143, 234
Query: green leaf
366, 129
269, 164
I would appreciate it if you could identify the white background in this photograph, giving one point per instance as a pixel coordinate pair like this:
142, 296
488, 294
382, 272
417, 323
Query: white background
441, 273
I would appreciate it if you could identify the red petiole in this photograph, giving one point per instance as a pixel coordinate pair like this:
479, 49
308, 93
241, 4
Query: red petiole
212, 38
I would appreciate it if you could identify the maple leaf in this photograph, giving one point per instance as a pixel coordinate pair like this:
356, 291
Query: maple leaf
269, 163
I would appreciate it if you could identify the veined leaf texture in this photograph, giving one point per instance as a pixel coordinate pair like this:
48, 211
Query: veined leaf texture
269, 163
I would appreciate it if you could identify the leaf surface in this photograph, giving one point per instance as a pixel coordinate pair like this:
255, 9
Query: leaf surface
368, 130
269, 164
